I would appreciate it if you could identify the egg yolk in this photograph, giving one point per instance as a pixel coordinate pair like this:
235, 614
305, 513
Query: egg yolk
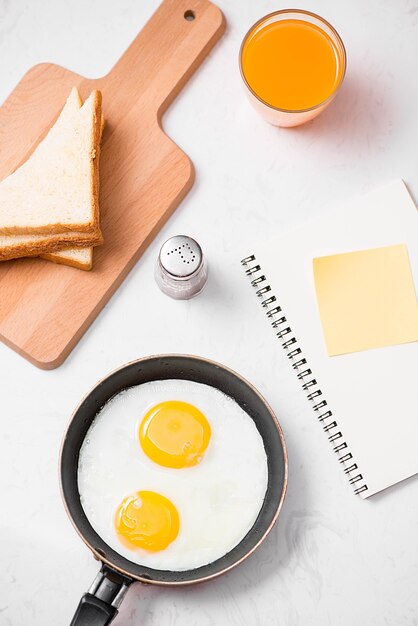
147, 520
174, 434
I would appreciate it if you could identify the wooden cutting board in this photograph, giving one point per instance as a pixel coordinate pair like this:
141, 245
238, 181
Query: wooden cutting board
46, 308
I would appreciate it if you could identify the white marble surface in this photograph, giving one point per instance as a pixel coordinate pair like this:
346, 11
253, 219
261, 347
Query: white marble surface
332, 558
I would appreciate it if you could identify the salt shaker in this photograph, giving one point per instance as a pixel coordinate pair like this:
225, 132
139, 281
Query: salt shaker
181, 270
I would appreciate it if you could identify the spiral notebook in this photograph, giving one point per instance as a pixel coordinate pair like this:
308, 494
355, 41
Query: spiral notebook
365, 401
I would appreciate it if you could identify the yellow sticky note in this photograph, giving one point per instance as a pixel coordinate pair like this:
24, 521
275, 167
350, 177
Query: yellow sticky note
366, 299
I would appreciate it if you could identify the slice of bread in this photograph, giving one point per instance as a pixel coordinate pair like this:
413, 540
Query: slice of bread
16, 246
56, 189
77, 257
81, 258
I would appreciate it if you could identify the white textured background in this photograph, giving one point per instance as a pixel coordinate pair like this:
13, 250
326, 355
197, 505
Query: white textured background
332, 558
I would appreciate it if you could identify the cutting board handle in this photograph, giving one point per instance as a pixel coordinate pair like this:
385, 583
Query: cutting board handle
182, 31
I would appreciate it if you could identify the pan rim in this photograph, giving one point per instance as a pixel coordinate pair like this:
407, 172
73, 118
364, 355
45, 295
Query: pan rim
227, 568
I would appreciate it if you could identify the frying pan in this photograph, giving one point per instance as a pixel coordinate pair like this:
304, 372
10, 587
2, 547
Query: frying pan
100, 604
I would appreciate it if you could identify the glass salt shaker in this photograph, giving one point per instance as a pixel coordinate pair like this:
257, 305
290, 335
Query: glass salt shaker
181, 270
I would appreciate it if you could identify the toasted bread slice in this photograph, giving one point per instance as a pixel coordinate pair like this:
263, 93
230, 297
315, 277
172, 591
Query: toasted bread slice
56, 189
14, 247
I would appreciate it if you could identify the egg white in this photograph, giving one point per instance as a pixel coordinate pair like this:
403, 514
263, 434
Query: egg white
218, 500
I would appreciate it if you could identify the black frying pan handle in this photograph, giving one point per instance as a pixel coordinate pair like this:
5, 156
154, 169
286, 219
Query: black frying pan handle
100, 604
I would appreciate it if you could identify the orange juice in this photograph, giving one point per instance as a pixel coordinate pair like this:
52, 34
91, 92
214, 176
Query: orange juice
292, 64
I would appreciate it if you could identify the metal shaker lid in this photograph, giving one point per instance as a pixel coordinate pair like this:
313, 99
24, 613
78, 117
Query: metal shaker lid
181, 256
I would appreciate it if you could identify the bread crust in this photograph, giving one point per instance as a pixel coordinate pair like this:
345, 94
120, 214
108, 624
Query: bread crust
50, 244
49, 229
93, 226
95, 156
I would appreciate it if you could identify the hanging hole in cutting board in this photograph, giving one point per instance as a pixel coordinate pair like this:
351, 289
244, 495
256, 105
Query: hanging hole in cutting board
189, 15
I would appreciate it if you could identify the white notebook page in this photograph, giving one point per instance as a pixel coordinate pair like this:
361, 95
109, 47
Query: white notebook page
373, 394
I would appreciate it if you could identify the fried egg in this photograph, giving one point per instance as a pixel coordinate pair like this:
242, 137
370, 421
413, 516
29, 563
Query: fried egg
147, 520
174, 434
172, 474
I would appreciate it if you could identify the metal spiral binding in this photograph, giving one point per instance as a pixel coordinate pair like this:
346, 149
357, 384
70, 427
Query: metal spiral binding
304, 373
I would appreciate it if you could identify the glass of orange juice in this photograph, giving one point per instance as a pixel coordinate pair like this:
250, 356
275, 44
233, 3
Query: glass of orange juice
293, 63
